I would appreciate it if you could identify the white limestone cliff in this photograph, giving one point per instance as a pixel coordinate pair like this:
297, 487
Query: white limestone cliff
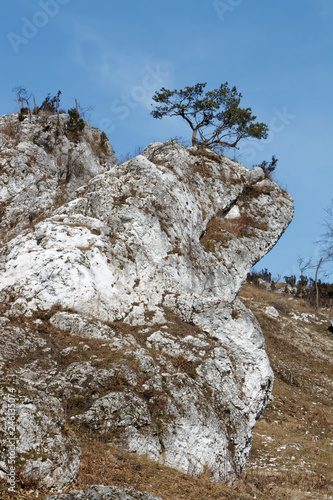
145, 260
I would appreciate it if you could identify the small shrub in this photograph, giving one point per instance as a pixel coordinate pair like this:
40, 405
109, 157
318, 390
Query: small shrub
74, 125
268, 168
23, 114
51, 105
103, 142
254, 277
290, 280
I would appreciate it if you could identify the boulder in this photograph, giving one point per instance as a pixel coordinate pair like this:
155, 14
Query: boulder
271, 311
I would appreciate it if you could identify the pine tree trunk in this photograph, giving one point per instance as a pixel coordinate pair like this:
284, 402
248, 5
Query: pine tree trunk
316, 283
194, 140
194, 137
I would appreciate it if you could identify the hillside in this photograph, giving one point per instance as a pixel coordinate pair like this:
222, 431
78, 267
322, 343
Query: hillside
292, 453
291, 456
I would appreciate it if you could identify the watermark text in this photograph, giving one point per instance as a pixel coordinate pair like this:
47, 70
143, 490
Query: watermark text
31, 27
10, 438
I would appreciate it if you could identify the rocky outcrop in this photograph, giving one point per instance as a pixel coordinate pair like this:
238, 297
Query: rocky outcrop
41, 165
128, 292
46, 452
105, 493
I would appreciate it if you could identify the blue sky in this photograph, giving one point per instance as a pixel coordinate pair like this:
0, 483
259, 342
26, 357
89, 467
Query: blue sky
115, 55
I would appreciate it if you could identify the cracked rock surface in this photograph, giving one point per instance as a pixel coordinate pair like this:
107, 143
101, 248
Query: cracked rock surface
40, 167
122, 306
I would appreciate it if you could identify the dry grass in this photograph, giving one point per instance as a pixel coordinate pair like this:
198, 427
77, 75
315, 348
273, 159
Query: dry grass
202, 152
9, 130
203, 164
2, 208
23, 491
108, 465
220, 230
253, 191
98, 144
292, 443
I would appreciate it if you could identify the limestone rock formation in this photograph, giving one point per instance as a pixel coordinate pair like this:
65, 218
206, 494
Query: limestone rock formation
121, 302
105, 493
41, 166
46, 452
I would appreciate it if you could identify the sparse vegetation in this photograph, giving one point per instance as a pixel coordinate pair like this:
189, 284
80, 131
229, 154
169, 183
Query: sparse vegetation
51, 104
129, 155
75, 124
215, 117
268, 168
303, 287
291, 454
307, 288
9, 129
103, 142
220, 230
23, 96
254, 277
99, 144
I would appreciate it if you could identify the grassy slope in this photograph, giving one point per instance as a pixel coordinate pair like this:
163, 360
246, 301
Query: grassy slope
292, 454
